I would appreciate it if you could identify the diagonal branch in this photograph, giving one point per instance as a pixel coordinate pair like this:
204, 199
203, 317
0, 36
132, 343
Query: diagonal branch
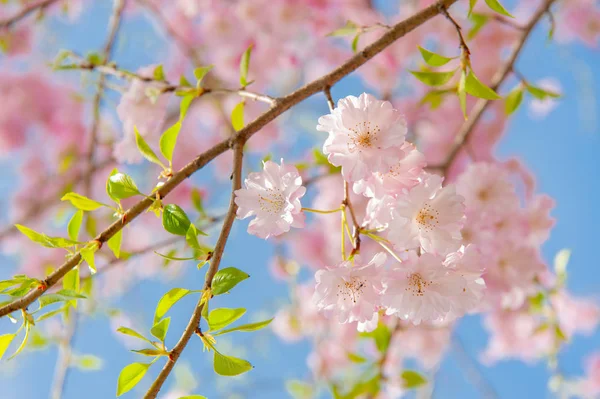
194, 323
467, 128
280, 106
25, 11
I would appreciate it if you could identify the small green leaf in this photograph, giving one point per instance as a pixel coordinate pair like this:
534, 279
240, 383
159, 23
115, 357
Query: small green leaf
71, 280
349, 29
150, 352
132, 333
75, 225
130, 376
411, 379
88, 362
246, 327
560, 333
197, 201
355, 42
499, 8
222, 317
561, 260
159, 73
479, 21
120, 186
160, 329
175, 220
81, 202
237, 116
381, 335
433, 59
169, 257
472, 4
49, 299
299, 389
356, 358
541, 94
5, 341
244, 65
200, 73
114, 243
169, 137
146, 151
70, 294
167, 301
513, 100
88, 254
229, 365
462, 93
434, 78
477, 89
24, 342
43, 239
226, 279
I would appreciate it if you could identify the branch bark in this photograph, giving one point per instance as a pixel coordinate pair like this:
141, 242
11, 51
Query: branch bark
24, 12
281, 105
194, 323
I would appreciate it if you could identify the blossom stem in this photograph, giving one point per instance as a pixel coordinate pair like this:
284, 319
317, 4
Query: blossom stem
320, 211
391, 252
344, 224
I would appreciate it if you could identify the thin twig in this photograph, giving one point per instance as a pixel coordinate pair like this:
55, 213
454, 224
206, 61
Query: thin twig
356, 226
463, 43
285, 103
467, 128
473, 373
25, 11
194, 323
65, 355
330, 102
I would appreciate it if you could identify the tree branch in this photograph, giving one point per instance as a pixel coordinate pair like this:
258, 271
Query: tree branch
282, 105
467, 128
194, 323
25, 11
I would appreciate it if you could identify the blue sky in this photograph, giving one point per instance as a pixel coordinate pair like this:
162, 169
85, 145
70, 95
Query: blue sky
561, 151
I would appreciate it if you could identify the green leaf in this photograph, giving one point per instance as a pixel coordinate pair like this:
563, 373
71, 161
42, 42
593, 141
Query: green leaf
225, 279
354, 45
541, 94
192, 239
169, 257
120, 186
167, 301
24, 342
499, 8
197, 201
200, 73
49, 299
88, 362
70, 294
560, 333
381, 335
175, 220
472, 4
246, 327
462, 93
222, 317
87, 254
561, 260
150, 352
349, 29
75, 225
434, 78
537, 302
50, 314
356, 358
237, 116
513, 100
411, 379
132, 333
81, 202
299, 389
43, 239
169, 137
244, 64
434, 98
433, 59
71, 280
477, 89
160, 329
479, 21
5, 341
130, 376
229, 365
159, 73
114, 243
145, 149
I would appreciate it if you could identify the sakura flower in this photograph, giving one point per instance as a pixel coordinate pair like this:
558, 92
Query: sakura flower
351, 292
424, 289
365, 136
403, 175
273, 196
428, 216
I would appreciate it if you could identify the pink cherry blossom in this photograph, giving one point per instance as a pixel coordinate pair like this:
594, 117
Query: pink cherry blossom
428, 216
273, 196
424, 289
350, 292
365, 136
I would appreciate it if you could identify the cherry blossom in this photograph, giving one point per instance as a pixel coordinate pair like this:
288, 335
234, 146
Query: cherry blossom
273, 196
365, 136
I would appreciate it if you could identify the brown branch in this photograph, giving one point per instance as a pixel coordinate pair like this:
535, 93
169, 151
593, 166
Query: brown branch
281, 105
467, 128
463, 43
25, 11
356, 226
194, 323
